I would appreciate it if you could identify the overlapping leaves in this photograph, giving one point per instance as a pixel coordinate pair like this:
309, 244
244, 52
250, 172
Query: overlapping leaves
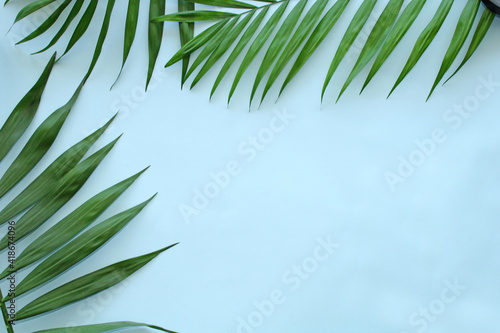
284, 31
75, 237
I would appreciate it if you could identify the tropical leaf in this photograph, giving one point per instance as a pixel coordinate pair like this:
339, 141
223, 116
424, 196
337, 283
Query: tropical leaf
76, 250
71, 225
39, 143
461, 32
357, 23
155, 32
425, 39
62, 245
482, 29
401, 27
237, 22
186, 32
101, 328
375, 39
86, 285
23, 113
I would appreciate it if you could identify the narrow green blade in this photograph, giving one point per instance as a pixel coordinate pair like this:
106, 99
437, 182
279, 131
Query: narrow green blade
223, 47
463, 29
101, 328
224, 3
317, 36
210, 46
482, 29
130, 30
375, 39
353, 30
278, 43
48, 179
24, 112
102, 36
424, 40
47, 23
300, 35
400, 29
86, 285
59, 196
155, 34
186, 32
245, 39
71, 16
257, 45
76, 250
39, 143
31, 8
195, 16
82, 26
71, 225
197, 42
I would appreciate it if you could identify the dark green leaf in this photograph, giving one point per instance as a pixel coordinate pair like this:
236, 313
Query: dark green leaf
37, 146
401, 27
86, 285
424, 40
461, 32
195, 16
71, 225
76, 250
72, 14
58, 196
101, 328
130, 30
24, 112
223, 47
245, 39
224, 3
482, 29
48, 179
31, 8
257, 44
186, 33
278, 43
82, 25
47, 23
211, 45
317, 36
375, 39
357, 23
196, 42
155, 34
102, 36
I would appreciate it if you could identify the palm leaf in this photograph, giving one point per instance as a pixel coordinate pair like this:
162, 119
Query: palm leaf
401, 27
76, 250
482, 29
295, 35
461, 32
71, 225
86, 285
186, 32
424, 40
155, 32
23, 113
48, 193
375, 39
357, 23
101, 328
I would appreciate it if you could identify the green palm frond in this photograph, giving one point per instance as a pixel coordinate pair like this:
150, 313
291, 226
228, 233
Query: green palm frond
75, 237
296, 29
